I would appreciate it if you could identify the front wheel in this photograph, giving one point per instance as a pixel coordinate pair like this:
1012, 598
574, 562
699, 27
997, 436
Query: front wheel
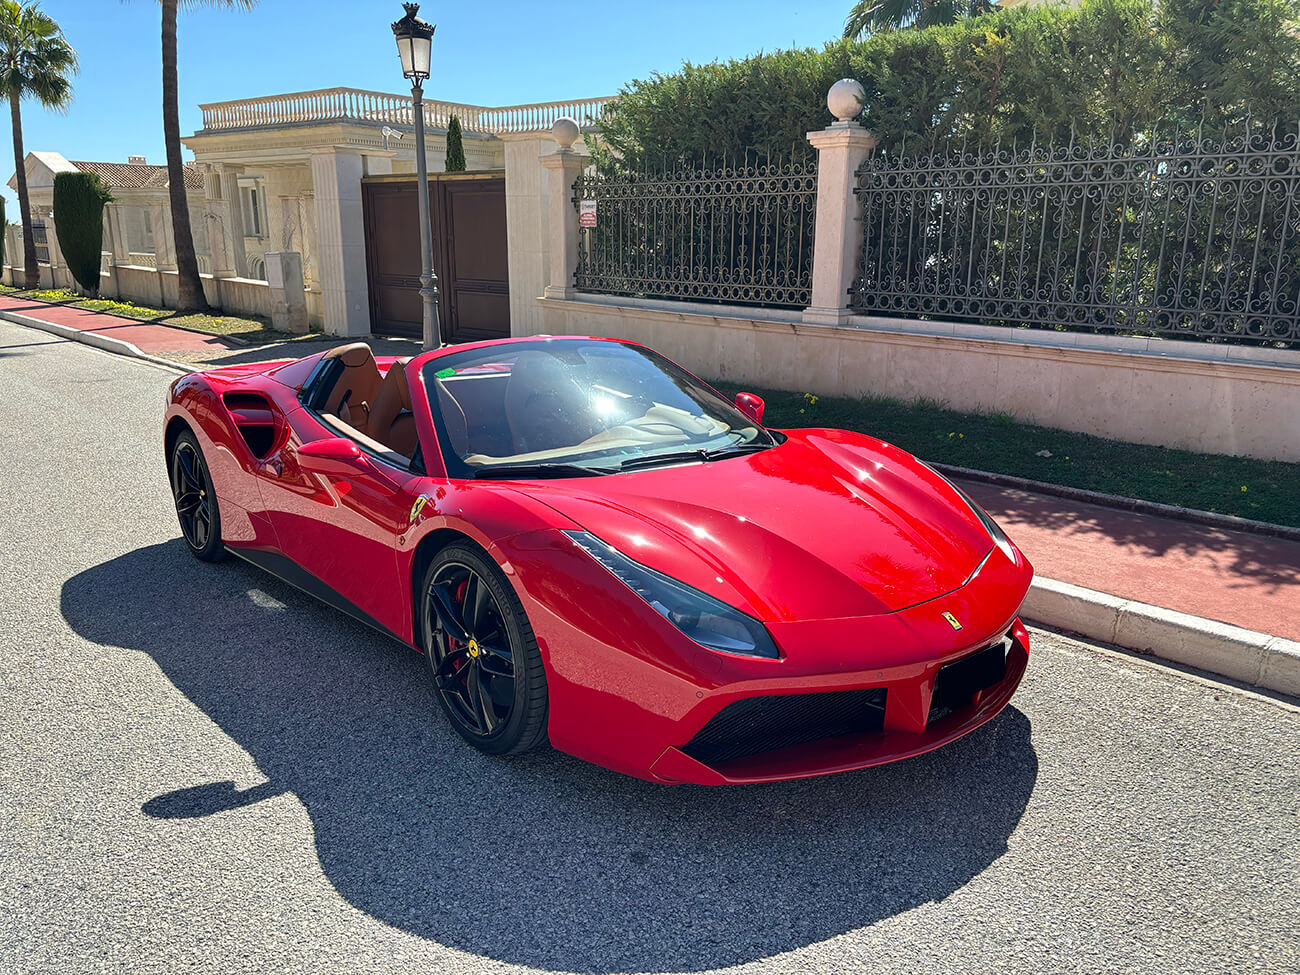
196, 502
486, 666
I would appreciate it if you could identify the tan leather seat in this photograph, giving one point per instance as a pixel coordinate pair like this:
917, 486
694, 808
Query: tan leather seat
354, 392
391, 422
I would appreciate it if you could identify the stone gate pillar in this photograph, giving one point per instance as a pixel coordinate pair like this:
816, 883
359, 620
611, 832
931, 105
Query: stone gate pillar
565, 165
841, 148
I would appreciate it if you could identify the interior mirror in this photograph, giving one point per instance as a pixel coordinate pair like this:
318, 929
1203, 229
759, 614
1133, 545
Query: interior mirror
333, 455
752, 406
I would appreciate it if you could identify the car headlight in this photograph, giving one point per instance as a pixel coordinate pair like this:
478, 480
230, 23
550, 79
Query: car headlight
709, 622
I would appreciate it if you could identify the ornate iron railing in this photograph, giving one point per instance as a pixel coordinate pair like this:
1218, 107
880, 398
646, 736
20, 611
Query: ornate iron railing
737, 234
1189, 235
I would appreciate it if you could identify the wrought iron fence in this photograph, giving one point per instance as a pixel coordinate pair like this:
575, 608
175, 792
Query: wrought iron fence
1188, 234
737, 234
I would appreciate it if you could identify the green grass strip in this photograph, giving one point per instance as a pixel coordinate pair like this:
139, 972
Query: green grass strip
1259, 489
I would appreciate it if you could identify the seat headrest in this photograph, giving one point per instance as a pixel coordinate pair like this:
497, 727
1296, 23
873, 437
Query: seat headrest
352, 355
403, 387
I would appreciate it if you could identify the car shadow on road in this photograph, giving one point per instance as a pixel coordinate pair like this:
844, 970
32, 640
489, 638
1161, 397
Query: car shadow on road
540, 860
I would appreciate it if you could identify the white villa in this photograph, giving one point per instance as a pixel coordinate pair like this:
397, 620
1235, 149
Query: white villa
285, 174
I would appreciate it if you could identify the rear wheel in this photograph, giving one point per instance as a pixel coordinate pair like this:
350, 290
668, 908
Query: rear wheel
196, 502
486, 666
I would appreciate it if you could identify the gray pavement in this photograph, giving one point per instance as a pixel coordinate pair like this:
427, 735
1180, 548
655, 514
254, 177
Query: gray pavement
203, 770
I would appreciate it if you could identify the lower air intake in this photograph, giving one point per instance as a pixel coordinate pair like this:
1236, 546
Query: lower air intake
763, 724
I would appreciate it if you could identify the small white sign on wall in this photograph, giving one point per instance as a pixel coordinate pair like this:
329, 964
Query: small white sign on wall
587, 213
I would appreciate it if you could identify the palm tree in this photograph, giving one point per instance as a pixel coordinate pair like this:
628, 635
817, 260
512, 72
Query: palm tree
190, 295
872, 16
36, 61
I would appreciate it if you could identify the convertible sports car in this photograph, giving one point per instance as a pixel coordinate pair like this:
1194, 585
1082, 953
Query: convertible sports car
591, 546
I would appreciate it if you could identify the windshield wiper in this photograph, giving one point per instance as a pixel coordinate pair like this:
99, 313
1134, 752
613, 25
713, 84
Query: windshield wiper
699, 453
511, 471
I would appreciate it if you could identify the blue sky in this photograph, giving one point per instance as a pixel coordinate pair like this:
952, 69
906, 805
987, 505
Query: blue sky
486, 53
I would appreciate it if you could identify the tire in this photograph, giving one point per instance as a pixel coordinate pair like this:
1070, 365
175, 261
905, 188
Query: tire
469, 674
196, 501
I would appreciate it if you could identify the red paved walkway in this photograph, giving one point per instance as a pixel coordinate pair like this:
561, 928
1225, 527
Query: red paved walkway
153, 339
1234, 577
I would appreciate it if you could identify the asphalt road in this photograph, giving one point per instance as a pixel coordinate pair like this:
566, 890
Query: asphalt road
203, 770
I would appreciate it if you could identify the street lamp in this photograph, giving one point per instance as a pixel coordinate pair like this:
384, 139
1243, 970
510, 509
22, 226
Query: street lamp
415, 47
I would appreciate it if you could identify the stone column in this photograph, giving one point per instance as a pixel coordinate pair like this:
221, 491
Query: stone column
841, 148
527, 238
164, 250
233, 215
565, 166
288, 299
216, 213
60, 277
116, 230
341, 255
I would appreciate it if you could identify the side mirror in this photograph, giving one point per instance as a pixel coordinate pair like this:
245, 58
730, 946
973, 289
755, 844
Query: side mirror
333, 455
752, 406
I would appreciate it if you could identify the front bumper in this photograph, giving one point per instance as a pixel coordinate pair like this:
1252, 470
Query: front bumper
628, 691
908, 726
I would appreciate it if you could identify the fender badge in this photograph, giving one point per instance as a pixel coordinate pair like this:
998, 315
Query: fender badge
952, 621
418, 507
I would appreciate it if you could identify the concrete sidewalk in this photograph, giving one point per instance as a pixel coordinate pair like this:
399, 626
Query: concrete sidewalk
1211, 597
150, 338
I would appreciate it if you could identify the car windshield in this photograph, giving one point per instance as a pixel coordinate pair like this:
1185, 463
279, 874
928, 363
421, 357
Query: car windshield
573, 407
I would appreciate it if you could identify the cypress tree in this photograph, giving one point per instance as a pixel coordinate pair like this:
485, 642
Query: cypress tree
455, 148
79, 200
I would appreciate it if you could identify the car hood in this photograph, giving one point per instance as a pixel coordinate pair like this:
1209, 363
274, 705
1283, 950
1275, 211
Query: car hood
827, 525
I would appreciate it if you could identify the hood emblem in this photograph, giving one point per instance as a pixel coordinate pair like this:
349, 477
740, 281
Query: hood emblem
952, 621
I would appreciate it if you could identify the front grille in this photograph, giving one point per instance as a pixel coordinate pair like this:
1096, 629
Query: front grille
957, 682
763, 724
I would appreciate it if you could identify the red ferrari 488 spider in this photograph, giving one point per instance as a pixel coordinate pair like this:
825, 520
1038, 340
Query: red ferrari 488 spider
590, 545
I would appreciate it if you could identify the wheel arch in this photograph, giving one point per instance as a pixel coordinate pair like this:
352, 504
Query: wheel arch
175, 427
429, 546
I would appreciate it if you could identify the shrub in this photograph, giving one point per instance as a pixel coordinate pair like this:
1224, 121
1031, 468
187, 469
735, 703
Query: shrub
455, 148
79, 200
1103, 69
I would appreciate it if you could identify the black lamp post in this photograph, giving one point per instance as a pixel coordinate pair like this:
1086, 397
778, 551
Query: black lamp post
415, 47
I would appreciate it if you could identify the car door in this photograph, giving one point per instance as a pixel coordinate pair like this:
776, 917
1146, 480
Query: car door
339, 522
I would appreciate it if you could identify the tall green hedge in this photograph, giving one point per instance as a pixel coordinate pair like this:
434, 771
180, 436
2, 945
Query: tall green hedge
455, 147
79, 200
1106, 67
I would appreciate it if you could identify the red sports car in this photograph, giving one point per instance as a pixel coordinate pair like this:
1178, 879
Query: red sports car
593, 547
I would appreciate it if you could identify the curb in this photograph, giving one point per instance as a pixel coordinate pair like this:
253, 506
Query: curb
1270, 662
1137, 505
117, 346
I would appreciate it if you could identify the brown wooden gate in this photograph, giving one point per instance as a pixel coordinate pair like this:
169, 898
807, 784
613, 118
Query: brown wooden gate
468, 214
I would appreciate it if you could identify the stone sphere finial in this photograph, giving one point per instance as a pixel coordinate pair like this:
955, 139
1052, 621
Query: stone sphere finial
845, 99
565, 131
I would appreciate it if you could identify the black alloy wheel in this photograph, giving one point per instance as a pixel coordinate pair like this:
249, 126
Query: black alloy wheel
485, 662
196, 502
